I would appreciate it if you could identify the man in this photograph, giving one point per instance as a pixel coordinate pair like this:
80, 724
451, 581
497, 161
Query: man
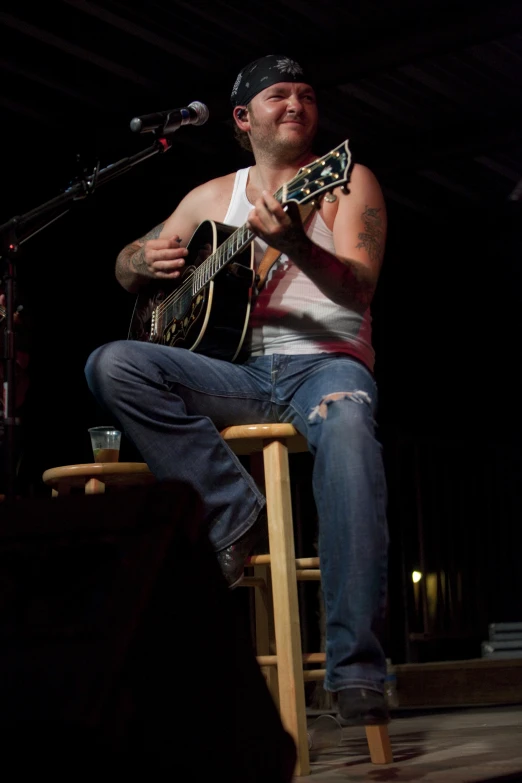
310, 364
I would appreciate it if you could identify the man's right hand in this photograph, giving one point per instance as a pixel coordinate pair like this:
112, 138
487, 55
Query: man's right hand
160, 258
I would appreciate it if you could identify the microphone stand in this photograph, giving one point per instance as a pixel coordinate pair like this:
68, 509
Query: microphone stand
13, 234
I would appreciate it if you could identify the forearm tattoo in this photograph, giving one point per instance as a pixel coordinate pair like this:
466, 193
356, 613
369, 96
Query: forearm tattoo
152, 234
371, 239
136, 255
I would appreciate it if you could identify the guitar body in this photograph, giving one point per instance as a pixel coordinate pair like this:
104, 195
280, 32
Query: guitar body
212, 321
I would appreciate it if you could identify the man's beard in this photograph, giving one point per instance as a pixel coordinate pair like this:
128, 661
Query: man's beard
286, 149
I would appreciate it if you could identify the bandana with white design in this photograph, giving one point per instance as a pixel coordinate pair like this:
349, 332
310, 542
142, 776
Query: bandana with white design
263, 73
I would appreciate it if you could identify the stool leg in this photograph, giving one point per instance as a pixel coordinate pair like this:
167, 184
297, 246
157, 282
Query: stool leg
94, 487
265, 629
257, 470
379, 744
286, 609
62, 488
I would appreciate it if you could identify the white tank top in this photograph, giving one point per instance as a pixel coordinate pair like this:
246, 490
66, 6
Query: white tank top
291, 315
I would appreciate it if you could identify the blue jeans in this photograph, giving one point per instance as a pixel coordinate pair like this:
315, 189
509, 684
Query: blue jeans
172, 403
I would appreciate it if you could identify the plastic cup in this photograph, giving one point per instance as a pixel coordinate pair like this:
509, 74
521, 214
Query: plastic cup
105, 443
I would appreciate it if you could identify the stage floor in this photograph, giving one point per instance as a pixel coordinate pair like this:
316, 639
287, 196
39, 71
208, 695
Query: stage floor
446, 746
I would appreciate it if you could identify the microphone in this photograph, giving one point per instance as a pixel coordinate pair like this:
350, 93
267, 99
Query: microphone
196, 113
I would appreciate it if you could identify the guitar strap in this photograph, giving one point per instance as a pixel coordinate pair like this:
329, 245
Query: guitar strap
271, 254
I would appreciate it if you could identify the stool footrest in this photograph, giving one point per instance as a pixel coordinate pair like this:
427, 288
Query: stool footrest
300, 562
271, 660
311, 675
308, 575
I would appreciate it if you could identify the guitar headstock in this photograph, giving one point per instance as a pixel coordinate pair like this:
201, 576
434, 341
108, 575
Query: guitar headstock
320, 176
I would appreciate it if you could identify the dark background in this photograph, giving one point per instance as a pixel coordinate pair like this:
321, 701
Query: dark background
430, 96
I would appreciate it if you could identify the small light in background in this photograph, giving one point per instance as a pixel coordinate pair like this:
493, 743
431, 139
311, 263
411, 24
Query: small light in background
416, 576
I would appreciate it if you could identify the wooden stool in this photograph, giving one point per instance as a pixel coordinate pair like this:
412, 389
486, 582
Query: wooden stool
95, 476
275, 442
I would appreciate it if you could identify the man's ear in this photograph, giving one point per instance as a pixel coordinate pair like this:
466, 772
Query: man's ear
241, 116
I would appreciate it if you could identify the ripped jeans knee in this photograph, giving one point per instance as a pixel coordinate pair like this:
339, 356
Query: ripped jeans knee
321, 411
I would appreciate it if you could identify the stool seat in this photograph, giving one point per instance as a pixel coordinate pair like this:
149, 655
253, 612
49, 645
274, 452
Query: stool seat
95, 476
248, 438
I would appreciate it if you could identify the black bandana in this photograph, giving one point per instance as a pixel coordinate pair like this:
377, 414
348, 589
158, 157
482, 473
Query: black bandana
263, 73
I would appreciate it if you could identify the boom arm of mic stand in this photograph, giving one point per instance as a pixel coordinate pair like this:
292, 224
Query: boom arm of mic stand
18, 229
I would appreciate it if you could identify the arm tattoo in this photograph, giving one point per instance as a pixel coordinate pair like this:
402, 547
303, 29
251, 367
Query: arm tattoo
130, 262
153, 233
371, 238
137, 256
